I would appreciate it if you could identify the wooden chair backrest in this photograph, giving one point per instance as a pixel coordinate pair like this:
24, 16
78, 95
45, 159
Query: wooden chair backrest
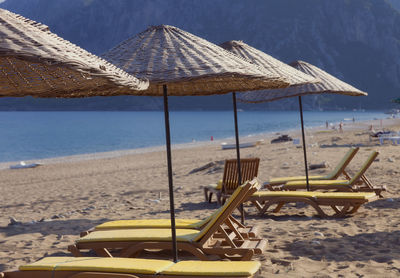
230, 180
240, 195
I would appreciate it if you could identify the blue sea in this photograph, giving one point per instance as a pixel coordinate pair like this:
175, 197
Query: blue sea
38, 135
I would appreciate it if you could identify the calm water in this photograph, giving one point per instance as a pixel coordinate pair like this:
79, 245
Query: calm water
35, 135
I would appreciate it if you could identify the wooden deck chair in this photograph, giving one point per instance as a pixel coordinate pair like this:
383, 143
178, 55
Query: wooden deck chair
276, 183
198, 224
202, 244
342, 203
230, 180
89, 267
358, 183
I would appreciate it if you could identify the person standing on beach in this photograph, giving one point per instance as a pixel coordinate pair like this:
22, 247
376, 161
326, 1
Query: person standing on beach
341, 127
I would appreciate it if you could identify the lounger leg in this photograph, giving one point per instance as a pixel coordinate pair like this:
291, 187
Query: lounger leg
102, 252
257, 205
354, 209
285, 200
74, 251
335, 209
278, 207
342, 212
207, 198
265, 207
248, 256
220, 199
241, 256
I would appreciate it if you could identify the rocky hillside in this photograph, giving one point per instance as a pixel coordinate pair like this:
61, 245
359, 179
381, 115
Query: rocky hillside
356, 40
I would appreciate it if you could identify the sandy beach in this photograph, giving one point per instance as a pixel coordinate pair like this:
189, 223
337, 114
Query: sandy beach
54, 202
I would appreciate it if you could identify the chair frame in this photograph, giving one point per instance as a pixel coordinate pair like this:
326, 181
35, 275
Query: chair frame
358, 183
276, 186
245, 231
216, 240
341, 207
230, 181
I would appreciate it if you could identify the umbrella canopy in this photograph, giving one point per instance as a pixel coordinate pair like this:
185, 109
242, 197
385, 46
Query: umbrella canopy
36, 62
327, 84
263, 60
188, 65
179, 63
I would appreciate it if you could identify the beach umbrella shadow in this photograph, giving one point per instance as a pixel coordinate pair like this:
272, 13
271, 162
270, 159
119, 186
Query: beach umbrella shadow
380, 247
391, 203
51, 227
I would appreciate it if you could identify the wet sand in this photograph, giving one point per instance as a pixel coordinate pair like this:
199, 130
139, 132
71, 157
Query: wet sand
54, 202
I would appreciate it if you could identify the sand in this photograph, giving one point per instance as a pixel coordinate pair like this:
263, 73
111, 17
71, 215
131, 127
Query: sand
54, 202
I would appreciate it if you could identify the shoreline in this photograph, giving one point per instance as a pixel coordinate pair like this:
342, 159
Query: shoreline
243, 139
44, 209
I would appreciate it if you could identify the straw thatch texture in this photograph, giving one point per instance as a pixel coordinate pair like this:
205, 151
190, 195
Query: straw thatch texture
36, 62
328, 84
268, 62
187, 64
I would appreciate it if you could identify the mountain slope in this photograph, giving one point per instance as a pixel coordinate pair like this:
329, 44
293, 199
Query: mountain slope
356, 40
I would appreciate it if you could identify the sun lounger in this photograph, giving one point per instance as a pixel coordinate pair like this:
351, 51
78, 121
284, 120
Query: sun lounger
246, 231
392, 136
275, 183
213, 239
358, 183
342, 203
230, 180
89, 267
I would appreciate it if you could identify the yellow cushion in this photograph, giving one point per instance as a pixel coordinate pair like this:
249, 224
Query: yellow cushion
294, 178
284, 194
218, 213
346, 159
183, 235
150, 223
213, 268
345, 195
317, 182
117, 265
365, 166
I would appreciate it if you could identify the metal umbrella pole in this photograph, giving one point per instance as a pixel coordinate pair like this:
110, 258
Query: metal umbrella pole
170, 180
304, 143
237, 150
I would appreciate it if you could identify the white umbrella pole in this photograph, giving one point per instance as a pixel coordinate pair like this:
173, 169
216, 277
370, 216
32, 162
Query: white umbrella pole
304, 143
170, 180
238, 150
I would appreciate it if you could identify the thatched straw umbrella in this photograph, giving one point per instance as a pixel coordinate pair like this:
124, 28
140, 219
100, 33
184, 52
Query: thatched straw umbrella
263, 60
178, 63
36, 62
327, 84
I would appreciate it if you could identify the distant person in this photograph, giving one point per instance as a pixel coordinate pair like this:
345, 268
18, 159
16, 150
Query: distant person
354, 120
327, 125
341, 127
